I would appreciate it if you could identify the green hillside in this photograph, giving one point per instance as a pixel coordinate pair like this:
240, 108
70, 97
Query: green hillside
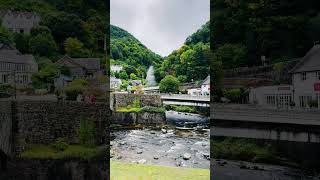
129, 52
189, 62
243, 31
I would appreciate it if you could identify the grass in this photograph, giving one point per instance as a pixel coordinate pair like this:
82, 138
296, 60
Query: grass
73, 151
143, 109
129, 109
125, 171
242, 149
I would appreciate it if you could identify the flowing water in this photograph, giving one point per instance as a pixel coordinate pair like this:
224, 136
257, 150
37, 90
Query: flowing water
171, 147
151, 80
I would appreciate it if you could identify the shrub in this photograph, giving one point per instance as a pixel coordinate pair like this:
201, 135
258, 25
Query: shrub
234, 95
86, 132
60, 145
74, 88
153, 109
136, 103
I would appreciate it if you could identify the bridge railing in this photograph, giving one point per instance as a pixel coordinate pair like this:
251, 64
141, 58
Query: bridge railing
184, 96
260, 114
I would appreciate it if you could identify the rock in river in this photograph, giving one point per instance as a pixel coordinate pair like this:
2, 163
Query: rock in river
186, 156
142, 161
164, 131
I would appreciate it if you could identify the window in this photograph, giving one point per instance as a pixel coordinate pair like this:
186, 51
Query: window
318, 75
303, 76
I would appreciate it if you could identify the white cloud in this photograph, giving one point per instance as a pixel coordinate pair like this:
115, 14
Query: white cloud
161, 25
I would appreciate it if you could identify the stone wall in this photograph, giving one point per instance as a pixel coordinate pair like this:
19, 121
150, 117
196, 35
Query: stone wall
42, 122
46, 169
145, 118
5, 128
123, 100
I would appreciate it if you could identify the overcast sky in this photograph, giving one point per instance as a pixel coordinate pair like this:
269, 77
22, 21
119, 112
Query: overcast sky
161, 25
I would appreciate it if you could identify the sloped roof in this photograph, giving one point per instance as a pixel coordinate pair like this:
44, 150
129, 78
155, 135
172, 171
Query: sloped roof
12, 55
87, 63
206, 81
310, 62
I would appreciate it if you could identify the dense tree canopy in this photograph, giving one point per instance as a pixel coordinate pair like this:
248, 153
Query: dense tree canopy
188, 63
279, 30
127, 51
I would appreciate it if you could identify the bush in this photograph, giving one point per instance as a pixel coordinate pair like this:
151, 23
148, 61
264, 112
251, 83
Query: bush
60, 145
234, 95
75, 88
313, 104
153, 109
86, 132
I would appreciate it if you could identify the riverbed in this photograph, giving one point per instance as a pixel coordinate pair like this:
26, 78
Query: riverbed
165, 147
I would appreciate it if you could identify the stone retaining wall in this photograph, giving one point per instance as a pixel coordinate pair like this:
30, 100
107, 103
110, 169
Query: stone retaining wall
123, 100
42, 122
145, 118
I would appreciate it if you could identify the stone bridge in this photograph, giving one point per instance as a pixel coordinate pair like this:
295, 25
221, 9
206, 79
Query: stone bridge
185, 99
250, 121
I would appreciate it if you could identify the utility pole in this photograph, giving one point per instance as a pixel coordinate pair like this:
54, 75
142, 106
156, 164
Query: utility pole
13, 73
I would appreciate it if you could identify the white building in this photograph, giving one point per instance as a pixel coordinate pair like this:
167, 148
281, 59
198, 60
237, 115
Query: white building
205, 87
272, 96
116, 68
306, 78
19, 22
16, 68
194, 92
115, 83
304, 91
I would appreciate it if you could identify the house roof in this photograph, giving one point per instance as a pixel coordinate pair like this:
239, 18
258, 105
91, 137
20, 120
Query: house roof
87, 63
11, 55
206, 81
310, 62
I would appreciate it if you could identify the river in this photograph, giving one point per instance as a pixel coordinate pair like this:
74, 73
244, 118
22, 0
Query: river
170, 147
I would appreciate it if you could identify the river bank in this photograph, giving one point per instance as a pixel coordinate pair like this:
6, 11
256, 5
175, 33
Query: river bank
239, 170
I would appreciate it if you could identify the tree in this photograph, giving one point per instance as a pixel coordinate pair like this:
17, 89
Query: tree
22, 42
45, 76
5, 36
169, 84
73, 47
123, 75
133, 76
43, 44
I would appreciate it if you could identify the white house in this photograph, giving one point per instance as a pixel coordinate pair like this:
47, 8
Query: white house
306, 78
116, 68
16, 68
205, 87
194, 91
115, 83
304, 91
273, 96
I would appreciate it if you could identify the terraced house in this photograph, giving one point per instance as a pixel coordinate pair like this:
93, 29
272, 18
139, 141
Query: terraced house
19, 22
16, 68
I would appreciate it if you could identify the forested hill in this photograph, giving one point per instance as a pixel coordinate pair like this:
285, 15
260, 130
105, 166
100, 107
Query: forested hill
129, 52
73, 27
202, 35
189, 62
243, 31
